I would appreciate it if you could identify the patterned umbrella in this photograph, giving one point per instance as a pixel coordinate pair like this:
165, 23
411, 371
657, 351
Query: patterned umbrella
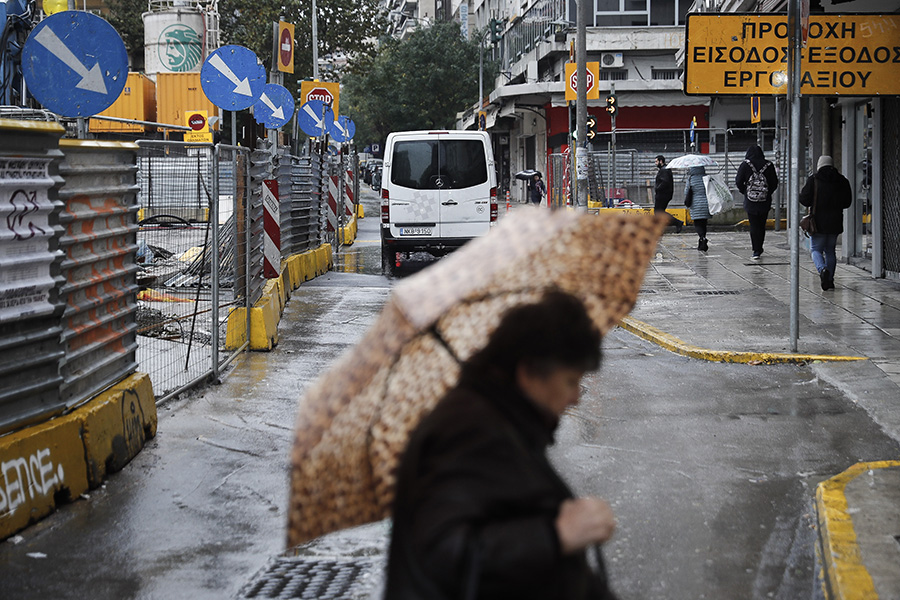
692, 160
354, 422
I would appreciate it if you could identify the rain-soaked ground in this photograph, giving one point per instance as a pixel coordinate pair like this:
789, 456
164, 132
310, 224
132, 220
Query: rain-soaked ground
710, 469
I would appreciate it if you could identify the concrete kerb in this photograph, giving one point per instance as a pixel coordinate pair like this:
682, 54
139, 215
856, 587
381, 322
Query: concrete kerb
52, 463
673, 344
844, 573
266, 313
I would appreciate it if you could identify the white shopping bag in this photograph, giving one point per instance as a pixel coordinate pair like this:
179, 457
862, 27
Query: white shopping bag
718, 196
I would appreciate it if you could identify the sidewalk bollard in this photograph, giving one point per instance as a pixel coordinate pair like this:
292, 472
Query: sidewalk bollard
507, 200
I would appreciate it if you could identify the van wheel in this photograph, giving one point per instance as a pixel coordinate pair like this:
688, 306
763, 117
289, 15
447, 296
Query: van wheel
387, 262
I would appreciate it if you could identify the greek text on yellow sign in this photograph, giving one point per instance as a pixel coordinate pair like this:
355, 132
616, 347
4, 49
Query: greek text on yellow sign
744, 54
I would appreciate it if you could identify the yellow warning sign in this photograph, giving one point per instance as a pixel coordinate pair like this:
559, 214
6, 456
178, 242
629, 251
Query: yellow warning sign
198, 121
593, 78
747, 54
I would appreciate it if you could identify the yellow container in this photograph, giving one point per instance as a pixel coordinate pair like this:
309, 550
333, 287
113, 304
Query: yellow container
137, 101
177, 93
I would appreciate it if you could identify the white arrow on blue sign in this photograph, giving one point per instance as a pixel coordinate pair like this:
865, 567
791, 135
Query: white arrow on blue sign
343, 129
275, 106
314, 118
232, 78
75, 64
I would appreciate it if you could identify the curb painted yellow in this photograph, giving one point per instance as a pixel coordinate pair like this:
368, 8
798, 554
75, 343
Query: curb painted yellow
673, 344
846, 576
266, 313
55, 462
116, 425
770, 223
682, 214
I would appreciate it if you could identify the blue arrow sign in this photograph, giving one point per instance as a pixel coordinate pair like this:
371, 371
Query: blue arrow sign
342, 130
75, 64
275, 106
232, 78
314, 117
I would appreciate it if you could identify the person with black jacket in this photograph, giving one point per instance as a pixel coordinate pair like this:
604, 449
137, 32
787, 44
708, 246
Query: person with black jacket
479, 511
828, 193
757, 207
662, 192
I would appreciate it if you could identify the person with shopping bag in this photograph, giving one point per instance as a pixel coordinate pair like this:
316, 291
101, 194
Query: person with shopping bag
827, 193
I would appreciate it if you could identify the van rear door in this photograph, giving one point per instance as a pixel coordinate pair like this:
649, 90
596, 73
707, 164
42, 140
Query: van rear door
414, 192
465, 183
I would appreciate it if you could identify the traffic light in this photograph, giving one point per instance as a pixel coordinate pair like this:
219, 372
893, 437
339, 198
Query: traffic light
496, 26
591, 127
612, 105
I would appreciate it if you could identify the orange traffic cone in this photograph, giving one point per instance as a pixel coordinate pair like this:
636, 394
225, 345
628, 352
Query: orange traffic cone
507, 200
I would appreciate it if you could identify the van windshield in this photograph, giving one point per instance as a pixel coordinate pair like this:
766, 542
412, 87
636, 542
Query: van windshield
438, 164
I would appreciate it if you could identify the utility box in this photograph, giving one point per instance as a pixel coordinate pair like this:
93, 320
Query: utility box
177, 93
137, 101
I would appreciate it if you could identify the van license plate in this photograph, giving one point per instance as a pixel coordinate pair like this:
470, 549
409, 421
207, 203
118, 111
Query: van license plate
415, 231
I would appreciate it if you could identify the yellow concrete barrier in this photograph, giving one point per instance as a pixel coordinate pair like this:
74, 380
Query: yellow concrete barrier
44, 466
360, 212
117, 424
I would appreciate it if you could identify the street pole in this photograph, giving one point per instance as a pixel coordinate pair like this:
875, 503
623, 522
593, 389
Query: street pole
776, 145
612, 91
315, 41
581, 103
794, 175
480, 75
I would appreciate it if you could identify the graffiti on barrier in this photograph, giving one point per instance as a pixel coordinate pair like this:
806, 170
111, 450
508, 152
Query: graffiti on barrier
27, 478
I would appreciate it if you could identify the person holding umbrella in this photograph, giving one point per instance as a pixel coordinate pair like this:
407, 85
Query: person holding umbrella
537, 190
695, 200
479, 511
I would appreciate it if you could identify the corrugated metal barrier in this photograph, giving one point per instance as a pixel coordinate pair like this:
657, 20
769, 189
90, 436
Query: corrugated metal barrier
30, 307
99, 242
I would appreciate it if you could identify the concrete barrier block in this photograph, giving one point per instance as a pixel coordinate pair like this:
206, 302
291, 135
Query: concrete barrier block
264, 323
286, 286
236, 331
116, 425
41, 467
295, 271
360, 212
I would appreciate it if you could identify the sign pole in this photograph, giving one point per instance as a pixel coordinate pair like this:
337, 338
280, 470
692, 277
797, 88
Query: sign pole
612, 90
315, 41
581, 104
794, 175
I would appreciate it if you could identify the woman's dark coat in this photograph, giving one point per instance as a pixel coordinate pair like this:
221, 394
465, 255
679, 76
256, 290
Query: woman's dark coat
834, 195
755, 155
477, 502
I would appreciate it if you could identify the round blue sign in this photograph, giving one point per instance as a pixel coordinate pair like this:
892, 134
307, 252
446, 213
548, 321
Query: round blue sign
315, 118
343, 129
232, 78
275, 106
75, 64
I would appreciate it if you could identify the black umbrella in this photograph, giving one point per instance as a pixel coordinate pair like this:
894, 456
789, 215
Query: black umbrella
527, 174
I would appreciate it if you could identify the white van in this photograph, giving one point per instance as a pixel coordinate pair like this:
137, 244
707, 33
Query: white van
438, 191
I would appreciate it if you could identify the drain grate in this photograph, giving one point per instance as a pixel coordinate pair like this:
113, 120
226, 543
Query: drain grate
717, 292
314, 578
647, 291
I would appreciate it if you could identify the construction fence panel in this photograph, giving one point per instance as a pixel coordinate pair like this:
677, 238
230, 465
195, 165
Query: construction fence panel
99, 243
306, 197
176, 315
261, 168
31, 350
233, 210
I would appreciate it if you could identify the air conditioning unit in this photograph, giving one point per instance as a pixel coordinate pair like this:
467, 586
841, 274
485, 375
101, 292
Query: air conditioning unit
612, 60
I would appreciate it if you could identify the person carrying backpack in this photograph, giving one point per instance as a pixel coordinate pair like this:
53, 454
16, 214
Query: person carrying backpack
757, 179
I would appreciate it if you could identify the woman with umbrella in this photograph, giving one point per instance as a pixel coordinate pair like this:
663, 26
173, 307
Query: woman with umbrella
479, 510
695, 193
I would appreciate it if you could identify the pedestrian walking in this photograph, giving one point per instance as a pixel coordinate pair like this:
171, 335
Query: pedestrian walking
479, 511
537, 190
756, 179
695, 200
827, 193
662, 192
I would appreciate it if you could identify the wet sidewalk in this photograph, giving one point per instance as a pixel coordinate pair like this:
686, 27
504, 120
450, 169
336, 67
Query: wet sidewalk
713, 306
724, 301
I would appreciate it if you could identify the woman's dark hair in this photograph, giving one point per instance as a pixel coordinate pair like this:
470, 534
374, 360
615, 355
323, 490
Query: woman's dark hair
554, 332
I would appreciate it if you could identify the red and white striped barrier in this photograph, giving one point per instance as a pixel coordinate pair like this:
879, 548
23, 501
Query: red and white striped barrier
272, 228
348, 192
333, 202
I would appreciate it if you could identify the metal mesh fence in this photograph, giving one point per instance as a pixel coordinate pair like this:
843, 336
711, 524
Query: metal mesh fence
890, 185
627, 176
176, 317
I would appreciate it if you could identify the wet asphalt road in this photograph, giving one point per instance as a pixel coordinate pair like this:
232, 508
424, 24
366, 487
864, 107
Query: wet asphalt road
710, 468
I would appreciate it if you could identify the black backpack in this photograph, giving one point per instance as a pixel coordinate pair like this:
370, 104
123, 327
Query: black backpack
757, 185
